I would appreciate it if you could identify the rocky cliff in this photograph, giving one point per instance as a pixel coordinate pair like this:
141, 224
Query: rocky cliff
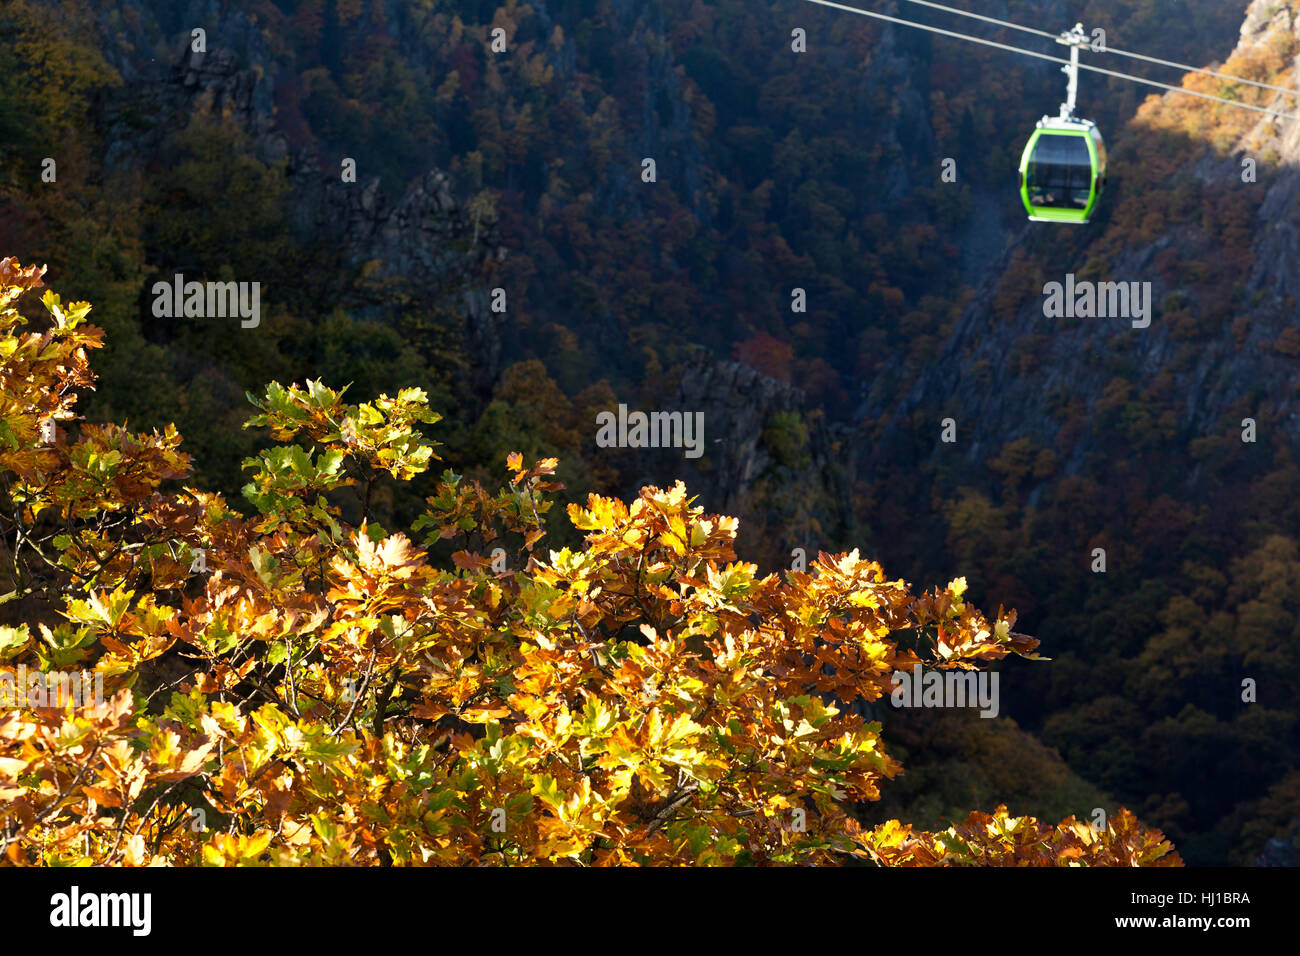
417, 237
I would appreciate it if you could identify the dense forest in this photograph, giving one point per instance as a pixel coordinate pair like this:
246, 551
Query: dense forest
797, 270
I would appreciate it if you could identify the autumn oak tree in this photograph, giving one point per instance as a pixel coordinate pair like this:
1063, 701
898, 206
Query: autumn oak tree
283, 687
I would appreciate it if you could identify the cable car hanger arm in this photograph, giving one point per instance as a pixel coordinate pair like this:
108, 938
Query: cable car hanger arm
1050, 58
1108, 49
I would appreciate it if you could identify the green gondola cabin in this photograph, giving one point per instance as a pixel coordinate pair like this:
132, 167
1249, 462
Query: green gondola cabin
1063, 170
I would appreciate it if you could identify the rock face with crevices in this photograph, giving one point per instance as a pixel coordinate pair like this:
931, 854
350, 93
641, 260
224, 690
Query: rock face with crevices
767, 456
738, 403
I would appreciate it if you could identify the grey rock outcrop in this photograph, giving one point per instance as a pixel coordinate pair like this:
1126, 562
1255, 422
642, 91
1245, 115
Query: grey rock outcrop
418, 237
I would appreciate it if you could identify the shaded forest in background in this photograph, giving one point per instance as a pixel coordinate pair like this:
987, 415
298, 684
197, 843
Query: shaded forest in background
775, 171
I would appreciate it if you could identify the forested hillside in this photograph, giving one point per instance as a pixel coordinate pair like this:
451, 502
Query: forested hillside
775, 171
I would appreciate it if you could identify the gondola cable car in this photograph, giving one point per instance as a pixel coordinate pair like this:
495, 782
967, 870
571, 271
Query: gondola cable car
1063, 167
